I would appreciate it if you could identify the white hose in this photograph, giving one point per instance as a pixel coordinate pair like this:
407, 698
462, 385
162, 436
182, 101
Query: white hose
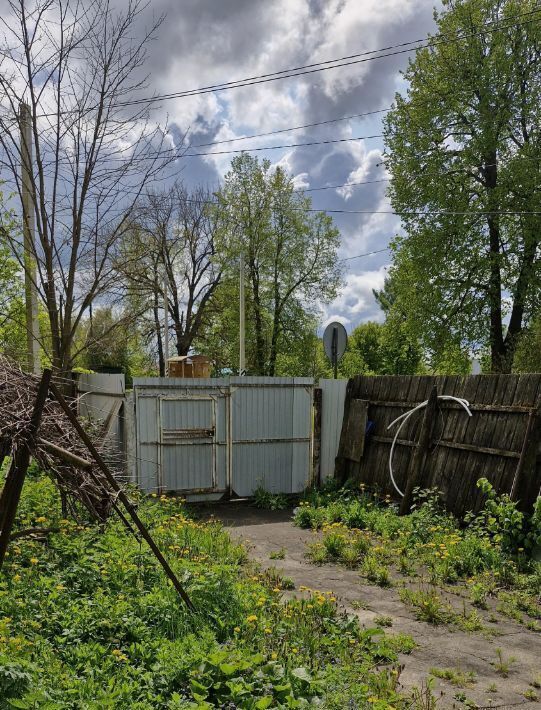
404, 417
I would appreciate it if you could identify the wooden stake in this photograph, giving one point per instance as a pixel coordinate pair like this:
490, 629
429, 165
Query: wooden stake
418, 461
13, 486
121, 496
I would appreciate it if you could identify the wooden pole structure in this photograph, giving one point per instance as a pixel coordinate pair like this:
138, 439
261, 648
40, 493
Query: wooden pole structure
28, 197
13, 486
242, 324
122, 497
418, 461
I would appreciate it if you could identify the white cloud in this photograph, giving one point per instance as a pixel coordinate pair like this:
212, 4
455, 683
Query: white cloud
356, 303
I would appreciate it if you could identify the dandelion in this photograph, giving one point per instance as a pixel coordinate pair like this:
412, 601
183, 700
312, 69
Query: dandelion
268, 631
34, 560
41, 519
274, 655
237, 629
251, 618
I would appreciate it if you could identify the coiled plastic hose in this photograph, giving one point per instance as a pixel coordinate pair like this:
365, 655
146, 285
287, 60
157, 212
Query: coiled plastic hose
403, 418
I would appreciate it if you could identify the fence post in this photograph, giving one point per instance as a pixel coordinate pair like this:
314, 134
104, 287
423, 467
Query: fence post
420, 454
525, 488
340, 463
316, 454
11, 493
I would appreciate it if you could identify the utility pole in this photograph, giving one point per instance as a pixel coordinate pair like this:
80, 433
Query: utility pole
242, 343
28, 196
165, 326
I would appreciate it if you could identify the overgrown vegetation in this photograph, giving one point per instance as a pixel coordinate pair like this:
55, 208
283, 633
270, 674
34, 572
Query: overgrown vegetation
489, 554
89, 621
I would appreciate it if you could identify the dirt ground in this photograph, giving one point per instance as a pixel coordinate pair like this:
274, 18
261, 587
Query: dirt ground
438, 646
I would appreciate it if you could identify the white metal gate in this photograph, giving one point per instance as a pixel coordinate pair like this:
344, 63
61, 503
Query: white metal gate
209, 437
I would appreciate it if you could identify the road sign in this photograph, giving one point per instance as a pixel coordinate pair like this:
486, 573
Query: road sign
335, 340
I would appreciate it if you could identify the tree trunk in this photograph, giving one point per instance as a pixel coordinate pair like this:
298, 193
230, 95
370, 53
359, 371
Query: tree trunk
258, 322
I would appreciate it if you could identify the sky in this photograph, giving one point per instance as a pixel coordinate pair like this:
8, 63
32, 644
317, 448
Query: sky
203, 42
206, 42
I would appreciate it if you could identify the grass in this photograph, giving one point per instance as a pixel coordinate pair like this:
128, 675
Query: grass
88, 621
383, 620
278, 554
484, 560
502, 665
455, 676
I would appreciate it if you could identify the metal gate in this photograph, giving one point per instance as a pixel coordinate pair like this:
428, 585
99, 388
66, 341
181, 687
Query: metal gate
209, 437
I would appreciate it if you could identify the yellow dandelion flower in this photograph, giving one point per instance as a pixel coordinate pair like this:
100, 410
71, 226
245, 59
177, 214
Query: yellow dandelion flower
34, 560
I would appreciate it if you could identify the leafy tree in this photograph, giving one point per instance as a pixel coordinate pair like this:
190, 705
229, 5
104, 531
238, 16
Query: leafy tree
108, 340
380, 349
169, 253
290, 256
464, 150
12, 312
528, 354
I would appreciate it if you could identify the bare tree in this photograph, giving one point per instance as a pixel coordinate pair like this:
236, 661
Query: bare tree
95, 149
169, 254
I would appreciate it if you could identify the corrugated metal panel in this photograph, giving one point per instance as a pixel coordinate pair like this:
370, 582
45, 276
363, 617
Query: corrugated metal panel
216, 434
333, 394
271, 424
101, 397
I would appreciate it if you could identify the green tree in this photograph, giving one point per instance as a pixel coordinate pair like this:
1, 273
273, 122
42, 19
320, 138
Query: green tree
380, 349
464, 150
528, 354
12, 313
108, 341
290, 253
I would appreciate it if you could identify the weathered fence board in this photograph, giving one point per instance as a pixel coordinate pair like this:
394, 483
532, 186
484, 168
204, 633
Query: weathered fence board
490, 443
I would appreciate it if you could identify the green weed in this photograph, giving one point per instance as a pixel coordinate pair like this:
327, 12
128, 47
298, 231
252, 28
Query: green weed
455, 676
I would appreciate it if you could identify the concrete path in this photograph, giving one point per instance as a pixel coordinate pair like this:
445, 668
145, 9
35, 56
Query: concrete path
438, 646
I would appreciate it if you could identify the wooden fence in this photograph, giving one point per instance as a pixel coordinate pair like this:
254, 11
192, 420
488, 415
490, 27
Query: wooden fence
500, 441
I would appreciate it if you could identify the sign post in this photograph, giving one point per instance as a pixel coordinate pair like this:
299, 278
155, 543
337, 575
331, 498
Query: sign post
335, 340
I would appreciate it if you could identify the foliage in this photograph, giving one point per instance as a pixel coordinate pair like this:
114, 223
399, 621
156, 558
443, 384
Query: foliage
463, 150
269, 501
500, 520
12, 316
290, 254
111, 341
455, 676
489, 553
381, 349
89, 621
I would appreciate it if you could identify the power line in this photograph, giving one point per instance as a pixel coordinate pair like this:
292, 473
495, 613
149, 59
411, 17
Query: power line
344, 184
287, 145
336, 63
368, 253
292, 128
422, 213
339, 62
